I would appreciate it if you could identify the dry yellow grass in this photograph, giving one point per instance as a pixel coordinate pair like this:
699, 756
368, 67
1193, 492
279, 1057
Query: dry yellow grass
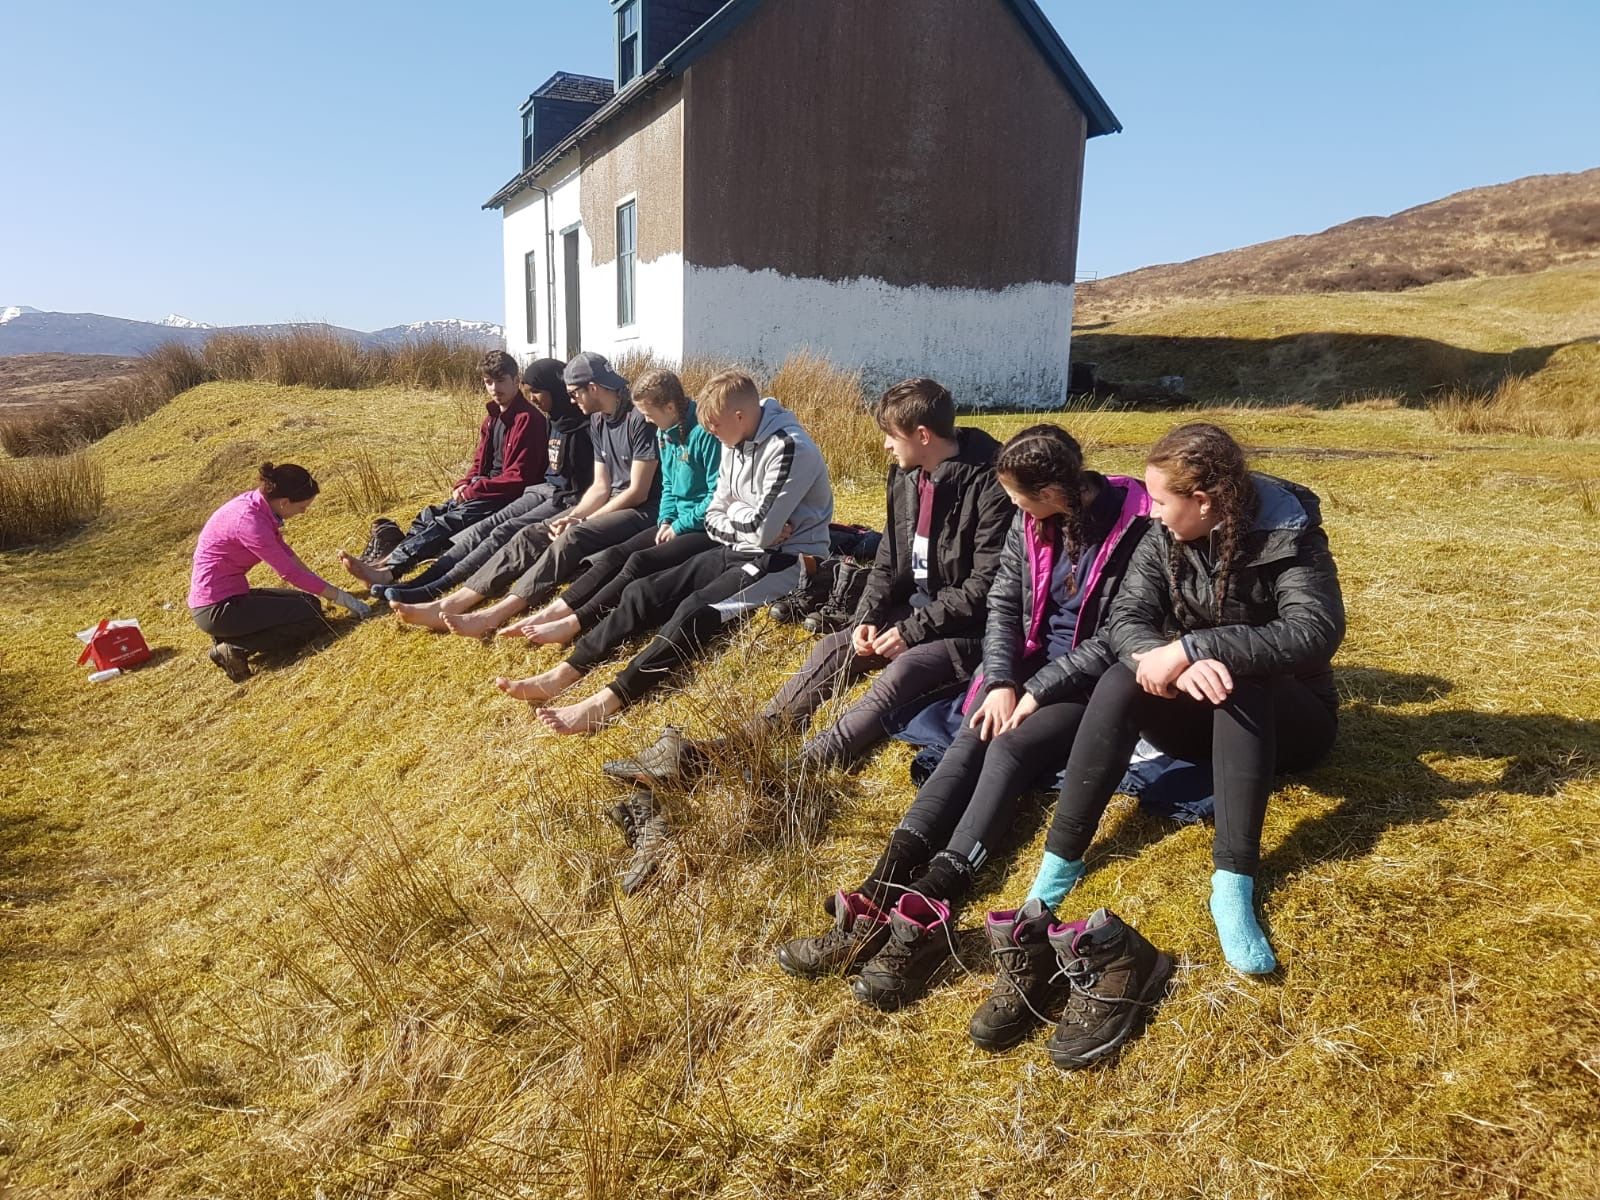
352, 928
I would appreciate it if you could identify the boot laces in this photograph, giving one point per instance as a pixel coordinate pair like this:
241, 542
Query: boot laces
1080, 978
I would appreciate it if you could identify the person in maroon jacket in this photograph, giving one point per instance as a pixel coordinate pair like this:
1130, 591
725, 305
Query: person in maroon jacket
513, 453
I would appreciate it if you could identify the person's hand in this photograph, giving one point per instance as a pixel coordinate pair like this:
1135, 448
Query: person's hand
665, 534
1159, 669
1025, 708
345, 600
784, 533
1207, 679
861, 638
458, 491
559, 525
889, 644
994, 712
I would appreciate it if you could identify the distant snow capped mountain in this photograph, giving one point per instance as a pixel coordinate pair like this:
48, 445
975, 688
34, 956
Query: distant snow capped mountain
25, 330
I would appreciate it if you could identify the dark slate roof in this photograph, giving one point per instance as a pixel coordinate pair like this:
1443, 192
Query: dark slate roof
1098, 113
586, 89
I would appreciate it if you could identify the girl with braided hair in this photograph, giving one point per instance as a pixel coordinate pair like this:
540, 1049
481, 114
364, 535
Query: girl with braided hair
1044, 646
1225, 626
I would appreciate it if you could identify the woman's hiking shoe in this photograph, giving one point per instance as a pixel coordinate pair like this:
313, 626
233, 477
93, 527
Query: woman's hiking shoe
627, 815
860, 928
1027, 987
1113, 978
917, 946
385, 536
650, 839
231, 660
671, 758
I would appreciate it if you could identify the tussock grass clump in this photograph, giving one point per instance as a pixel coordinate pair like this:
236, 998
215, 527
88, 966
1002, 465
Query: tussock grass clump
43, 498
1561, 401
366, 484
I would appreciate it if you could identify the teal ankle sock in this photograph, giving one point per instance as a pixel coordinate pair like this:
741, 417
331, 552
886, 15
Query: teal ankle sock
1055, 879
1233, 909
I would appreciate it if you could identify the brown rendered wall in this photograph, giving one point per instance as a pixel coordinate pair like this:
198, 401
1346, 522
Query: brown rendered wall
641, 151
913, 141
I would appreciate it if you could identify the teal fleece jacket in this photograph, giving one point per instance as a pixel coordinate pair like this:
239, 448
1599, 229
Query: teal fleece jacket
688, 473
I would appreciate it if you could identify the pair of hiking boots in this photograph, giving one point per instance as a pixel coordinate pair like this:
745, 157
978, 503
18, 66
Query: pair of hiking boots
1100, 972
645, 830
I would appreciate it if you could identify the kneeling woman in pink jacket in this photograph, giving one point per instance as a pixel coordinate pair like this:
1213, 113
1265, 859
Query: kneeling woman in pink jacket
245, 531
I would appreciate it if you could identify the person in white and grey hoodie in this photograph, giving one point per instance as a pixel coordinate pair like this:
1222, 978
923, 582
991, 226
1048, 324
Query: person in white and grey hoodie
769, 512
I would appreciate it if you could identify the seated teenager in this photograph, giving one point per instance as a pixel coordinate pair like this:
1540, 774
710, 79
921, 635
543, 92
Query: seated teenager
772, 505
621, 502
567, 476
1225, 627
247, 530
1045, 646
920, 619
511, 454
689, 460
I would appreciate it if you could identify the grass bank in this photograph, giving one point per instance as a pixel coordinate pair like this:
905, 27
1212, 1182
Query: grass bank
353, 926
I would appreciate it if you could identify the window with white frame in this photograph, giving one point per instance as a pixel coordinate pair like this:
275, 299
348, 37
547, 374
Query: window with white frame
627, 253
530, 280
527, 139
629, 44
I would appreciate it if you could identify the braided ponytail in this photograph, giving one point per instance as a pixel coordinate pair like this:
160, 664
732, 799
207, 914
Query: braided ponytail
1202, 457
1044, 456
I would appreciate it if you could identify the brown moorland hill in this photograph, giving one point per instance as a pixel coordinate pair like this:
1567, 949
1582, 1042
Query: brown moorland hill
40, 380
1512, 228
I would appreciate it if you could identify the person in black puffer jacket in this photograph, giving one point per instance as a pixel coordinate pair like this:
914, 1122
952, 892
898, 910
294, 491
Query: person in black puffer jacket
1225, 627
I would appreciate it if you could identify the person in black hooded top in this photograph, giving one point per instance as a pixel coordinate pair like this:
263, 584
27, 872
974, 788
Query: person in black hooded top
570, 470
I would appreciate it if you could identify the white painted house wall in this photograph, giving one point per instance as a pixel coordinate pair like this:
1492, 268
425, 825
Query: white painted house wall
658, 297
990, 348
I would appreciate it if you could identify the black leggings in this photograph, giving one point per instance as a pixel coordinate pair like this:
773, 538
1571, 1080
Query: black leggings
1267, 725
970, 800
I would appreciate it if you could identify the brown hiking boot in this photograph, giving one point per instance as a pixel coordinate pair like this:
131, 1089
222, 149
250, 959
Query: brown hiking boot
385, 536
859, 931
1114, 978
666, 762
651, 840
919, 944
1027, 986
231, 660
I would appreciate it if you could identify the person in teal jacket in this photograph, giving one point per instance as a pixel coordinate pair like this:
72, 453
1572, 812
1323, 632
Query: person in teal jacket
690, 459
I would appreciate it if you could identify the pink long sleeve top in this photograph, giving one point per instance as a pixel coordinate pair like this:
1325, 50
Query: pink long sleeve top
240, 534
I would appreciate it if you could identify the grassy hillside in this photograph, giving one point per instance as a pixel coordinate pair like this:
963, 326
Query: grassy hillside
1515, 228
1324, 348
351, 929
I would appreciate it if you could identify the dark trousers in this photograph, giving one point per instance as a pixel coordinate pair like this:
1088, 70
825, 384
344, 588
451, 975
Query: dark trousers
690, 602
434, 527
932, 671
599, 589
474, 546
1267, 725
263, 619
970, 800
532, 564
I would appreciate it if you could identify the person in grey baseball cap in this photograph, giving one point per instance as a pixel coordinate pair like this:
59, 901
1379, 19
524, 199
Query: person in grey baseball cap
588, 367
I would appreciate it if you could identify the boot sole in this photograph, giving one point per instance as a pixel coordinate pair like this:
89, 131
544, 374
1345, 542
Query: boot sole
1136, 1013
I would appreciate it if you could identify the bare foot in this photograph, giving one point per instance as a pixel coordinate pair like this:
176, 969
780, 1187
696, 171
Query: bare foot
553, 611
517, 629
364, 570
474, 625
425, 616
555, 633
583, 717
545, 686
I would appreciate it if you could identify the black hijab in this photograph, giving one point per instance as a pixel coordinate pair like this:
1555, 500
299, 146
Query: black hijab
544, 375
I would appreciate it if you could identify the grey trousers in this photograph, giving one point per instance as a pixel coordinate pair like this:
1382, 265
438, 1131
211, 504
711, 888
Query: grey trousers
531, 564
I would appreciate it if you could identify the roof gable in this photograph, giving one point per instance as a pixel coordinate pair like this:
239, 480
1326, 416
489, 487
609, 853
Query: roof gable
1100, 119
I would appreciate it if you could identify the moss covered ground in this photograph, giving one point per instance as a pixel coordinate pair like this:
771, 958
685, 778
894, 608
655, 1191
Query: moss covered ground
351, 929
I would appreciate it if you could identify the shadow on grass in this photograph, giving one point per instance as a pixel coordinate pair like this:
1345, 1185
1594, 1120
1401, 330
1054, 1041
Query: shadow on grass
1305, 367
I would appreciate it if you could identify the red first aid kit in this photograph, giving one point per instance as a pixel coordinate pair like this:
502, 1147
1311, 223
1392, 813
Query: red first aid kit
114, 644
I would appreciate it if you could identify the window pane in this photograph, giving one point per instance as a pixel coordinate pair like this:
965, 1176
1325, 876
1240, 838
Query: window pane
627, 247
530, 271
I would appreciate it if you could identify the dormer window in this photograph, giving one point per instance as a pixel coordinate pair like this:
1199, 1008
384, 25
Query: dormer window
630, 44
527, 139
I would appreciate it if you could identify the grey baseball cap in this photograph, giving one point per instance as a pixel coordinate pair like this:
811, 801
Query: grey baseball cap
588, 367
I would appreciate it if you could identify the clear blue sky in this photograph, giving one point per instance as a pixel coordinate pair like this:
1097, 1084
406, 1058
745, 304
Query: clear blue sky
265, 162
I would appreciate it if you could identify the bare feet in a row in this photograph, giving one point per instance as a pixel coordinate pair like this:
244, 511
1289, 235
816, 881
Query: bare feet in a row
552, 633
538, 688
364, 570
553, 611
585, 716
473, 625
